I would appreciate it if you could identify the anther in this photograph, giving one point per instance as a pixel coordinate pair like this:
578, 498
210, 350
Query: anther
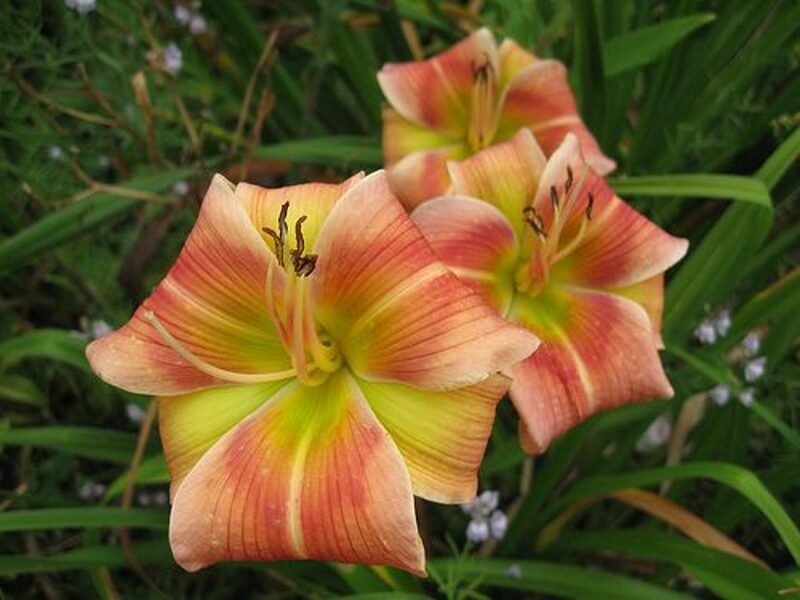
303, 264
554, 197
534, 219
280, 237
568, 184
589, 206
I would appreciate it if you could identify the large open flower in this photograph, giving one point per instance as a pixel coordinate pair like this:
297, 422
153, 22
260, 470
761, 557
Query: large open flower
551, 246
469, 97
315, 365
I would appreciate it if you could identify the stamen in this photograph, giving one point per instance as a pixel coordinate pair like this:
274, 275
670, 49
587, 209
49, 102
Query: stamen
589, 206
207, 368
568, 184
482, 118
554, 197
534, 219
280, 237
303, 265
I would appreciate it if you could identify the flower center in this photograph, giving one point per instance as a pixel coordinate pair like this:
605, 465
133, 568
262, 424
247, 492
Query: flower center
314, 353
549, 239
482, 118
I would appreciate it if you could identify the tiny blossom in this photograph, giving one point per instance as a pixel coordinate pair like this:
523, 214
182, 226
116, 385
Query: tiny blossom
514, 571
198, 25
751, 344
55, 153
754, 369
91, 491
173, 58
135, 413
720, 394
722, 322
706, 333
655, 436
478, 531
498, 524
182, 14
747, 396
143, 498
160, 498
181, 188
483, 505
81, 6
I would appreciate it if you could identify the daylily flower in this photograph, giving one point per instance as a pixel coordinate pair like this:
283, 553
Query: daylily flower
471, 96
314, 366
551, 246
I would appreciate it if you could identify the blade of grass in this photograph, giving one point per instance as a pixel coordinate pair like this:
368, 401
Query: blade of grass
89, 517
99, 444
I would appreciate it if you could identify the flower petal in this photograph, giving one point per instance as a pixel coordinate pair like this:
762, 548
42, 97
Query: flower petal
397, 313
505, 175
441, 435
311, 200
311, 474
192, 423
540, 99
436, 92
402, 137
597, 353
423, 175
211, 301
649, 294
513, 59
475, 241
620, 246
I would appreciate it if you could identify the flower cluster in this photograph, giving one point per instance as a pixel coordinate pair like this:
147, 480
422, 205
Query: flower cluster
753, 368
321, 353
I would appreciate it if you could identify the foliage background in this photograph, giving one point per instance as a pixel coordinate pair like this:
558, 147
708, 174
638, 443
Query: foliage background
698, 101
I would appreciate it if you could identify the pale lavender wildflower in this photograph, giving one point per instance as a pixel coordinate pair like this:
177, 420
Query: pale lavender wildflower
754, 369
173, 58
706, 333
655, 436
720, 394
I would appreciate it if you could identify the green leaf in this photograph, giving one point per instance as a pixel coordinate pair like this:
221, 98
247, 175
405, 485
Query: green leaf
89, 517
637, 48
727, 187
780, 160
743, 481
555, 579
727, 575
774, 421
54, 344
66, 224
98, 444
22, 390
151, 552
588, 65
332, 150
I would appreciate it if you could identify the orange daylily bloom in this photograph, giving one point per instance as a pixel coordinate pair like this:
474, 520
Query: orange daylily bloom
314, 366
471, 96
551, 246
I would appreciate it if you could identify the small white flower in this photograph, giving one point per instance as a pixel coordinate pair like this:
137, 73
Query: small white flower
56, 153
173, 58
478, 531
720, 394
135, 413
706, 333
181, 188
160, 498
747, 396
498, 524
514, 571
91, 490
81, 6
143, 498
182, 14
751, 344
198, 25
99, 329
655, 436
722, 322
483, 505
754, 369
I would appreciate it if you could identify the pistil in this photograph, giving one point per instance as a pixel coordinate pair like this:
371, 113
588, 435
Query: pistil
482, 118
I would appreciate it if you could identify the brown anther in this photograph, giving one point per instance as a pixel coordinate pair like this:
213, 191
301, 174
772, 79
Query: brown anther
482, 72
568, 184
280, 237
303, 265
534, 219
554, 197
589, 206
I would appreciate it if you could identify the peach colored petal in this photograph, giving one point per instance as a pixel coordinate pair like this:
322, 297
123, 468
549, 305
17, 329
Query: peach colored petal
649, 294
211, 302
435, 92
539, 98
597, 353
441, 435
505, 175
422, 175
513, 59
475, 241
402, 137
397, 313
311, 474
